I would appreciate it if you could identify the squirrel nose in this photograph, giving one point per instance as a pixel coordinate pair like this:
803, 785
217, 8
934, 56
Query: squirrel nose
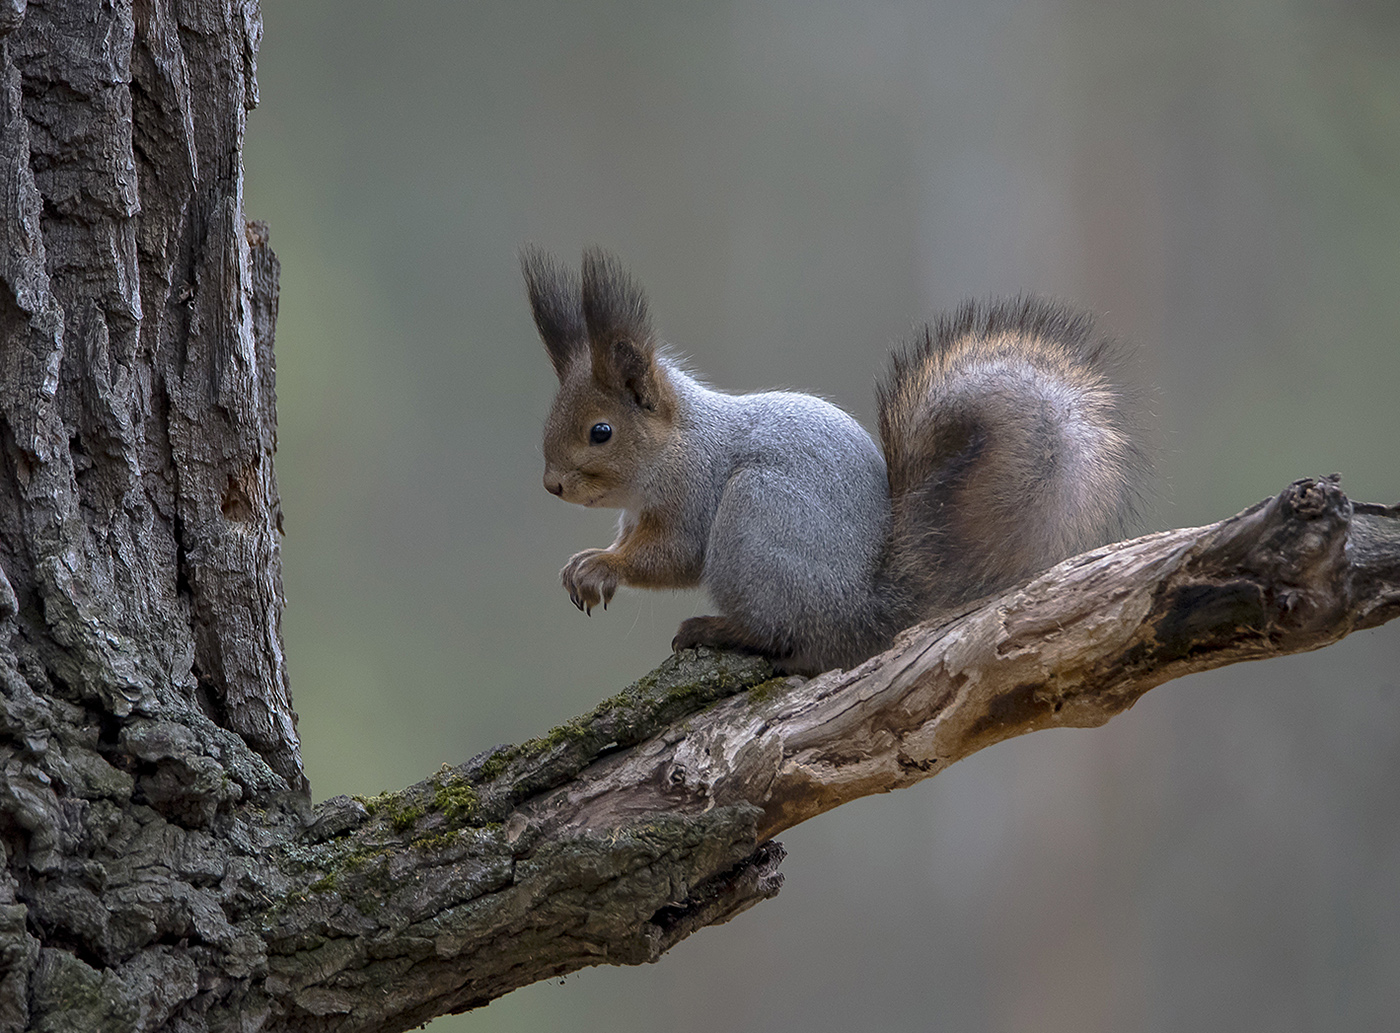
553, 485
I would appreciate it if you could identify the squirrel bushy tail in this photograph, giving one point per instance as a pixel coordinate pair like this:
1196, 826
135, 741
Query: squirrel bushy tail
1009, 446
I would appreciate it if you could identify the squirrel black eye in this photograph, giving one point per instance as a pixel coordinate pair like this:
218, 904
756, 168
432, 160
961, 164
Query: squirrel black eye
599, 433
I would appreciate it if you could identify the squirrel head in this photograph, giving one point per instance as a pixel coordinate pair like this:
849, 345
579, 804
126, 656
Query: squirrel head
615, 409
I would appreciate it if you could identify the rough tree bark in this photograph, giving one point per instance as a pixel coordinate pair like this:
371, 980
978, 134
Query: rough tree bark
164, 869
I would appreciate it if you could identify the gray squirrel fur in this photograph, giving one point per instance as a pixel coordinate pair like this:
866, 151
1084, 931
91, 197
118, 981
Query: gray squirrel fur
1006, 448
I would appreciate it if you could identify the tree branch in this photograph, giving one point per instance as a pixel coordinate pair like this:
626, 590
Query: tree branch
581, 848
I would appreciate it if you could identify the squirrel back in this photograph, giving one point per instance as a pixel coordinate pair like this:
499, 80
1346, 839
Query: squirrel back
1009, 446
1006, 448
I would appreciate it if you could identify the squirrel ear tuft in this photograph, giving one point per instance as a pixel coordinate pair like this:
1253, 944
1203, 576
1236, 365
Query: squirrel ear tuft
614, 306
556, 301
620, 334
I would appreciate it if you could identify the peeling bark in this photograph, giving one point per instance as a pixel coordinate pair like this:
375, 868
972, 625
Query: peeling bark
164, 869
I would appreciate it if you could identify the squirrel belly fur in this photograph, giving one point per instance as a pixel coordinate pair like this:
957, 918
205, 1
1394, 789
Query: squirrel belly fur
1005, 447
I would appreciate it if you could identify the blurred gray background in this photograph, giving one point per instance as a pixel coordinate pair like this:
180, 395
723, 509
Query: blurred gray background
798, 184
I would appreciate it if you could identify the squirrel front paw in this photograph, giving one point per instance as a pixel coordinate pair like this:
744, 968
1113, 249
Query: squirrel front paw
590, 577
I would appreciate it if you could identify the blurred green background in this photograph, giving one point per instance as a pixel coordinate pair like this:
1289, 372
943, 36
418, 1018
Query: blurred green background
798, 185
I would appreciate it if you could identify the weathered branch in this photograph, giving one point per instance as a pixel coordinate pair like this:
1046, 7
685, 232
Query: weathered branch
579, 848
1072, 649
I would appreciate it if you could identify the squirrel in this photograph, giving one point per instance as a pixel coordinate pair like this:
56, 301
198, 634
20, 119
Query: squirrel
1005, 448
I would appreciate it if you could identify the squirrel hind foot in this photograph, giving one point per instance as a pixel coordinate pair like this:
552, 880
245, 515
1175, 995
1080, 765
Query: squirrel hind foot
725, 633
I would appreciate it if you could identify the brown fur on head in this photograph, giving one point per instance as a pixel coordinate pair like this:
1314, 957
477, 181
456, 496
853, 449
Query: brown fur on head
615, 409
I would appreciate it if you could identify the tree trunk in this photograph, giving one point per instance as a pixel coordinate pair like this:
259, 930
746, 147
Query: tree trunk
164, 869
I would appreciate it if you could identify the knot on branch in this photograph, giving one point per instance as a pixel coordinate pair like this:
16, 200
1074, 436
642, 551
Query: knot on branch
716, 900
1313, 497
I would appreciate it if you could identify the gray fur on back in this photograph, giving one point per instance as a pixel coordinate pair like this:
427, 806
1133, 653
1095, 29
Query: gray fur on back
796, 500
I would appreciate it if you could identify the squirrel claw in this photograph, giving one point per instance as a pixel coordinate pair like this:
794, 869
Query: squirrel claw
590, 579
